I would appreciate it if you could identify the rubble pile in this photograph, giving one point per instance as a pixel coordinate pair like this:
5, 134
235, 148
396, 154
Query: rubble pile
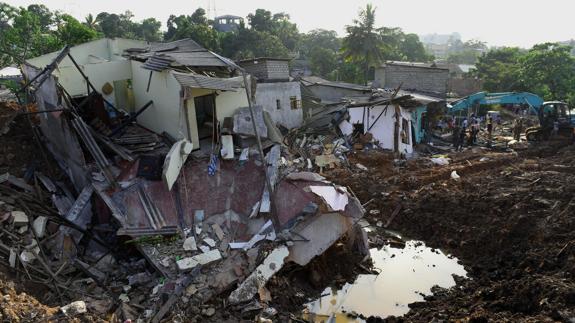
127, 224
508, 218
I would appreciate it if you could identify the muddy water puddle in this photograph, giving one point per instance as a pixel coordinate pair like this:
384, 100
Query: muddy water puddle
406, 275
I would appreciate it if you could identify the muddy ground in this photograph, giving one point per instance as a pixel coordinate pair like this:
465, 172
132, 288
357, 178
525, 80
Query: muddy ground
510, 219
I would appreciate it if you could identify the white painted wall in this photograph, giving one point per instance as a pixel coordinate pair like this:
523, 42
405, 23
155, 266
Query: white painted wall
165, 114
268, 93
100, 60
226, 104
383, 129
90, 52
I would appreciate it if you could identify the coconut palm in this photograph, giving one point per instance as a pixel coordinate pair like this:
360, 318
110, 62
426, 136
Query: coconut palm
91, 21
363, 43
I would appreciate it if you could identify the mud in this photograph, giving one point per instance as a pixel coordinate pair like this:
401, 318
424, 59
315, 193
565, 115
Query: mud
509, 219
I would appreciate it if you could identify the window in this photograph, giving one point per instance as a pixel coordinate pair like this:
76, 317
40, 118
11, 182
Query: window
278, 104
405, 131
294, 102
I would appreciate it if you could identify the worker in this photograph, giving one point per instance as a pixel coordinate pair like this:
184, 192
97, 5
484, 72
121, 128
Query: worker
489, 125
517, 129
465, 124
456, 137
555, 131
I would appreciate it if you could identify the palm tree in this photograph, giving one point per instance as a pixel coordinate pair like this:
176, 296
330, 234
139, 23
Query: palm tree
363, 43
91, 21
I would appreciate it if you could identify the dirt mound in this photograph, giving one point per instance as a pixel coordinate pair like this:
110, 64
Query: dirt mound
509, 219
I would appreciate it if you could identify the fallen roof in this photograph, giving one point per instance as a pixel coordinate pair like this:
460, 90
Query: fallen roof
415, 64
206, 82
315, 80
283, 59
184, 52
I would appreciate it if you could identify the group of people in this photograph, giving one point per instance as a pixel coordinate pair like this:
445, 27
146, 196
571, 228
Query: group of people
469, 129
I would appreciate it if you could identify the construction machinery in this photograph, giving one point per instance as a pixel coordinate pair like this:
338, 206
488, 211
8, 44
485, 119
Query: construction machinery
550, 114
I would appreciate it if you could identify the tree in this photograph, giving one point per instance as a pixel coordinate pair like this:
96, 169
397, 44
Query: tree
249, 43
323, 61
195, 27
22, 36
261, 20
549, 71
71, 32
412, 49
149, 30
286, 31
44, 15
91, 22
363, 43
499, 69
322, 38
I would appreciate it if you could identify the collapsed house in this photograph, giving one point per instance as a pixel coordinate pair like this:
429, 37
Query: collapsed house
280, 96
394, 118
122, 126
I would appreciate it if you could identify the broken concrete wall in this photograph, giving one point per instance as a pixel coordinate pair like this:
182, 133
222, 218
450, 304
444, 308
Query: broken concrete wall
276, 98
100, 60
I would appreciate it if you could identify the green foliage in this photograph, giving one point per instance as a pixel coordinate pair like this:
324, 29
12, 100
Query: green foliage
323, 61
71, 32
499, 69
195, 27
363, 44
549, 71
250, 43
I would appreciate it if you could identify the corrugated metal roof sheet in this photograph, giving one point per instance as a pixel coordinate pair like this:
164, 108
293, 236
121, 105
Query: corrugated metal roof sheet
157, 63
185, 52
206, 82
314, 80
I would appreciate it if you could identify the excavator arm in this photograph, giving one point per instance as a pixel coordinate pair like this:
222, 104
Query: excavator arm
485, 98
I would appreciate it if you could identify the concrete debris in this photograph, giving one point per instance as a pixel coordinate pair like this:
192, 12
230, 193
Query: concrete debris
175, 160
218, 231
74, 308
39, 226
265, 233
201, 259
19, 218
190, 244
257, 279
335, 197
210, 242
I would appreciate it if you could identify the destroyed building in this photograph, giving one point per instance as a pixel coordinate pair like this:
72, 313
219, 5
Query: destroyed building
122, 127
276, 92
418, 77
333, 92
172, 76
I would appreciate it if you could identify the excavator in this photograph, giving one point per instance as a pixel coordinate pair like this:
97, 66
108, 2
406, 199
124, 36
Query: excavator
548, 113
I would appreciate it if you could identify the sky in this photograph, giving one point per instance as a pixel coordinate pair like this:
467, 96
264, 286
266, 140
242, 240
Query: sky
498, 22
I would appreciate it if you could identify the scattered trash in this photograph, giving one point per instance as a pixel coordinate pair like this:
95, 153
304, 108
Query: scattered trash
455, 176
